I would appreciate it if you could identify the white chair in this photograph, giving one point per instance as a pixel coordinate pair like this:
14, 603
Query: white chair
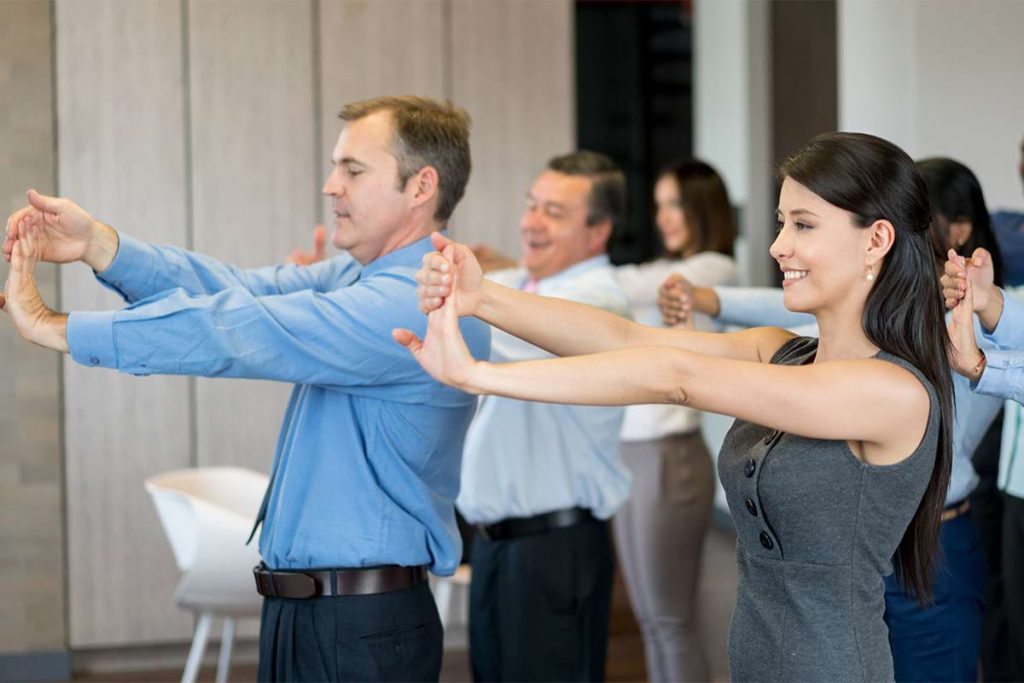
207, 514
451, 593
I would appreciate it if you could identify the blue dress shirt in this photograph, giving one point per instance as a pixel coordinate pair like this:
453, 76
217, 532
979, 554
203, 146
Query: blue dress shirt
973, 413
367, 463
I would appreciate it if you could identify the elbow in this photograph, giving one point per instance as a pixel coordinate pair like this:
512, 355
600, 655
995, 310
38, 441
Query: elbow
680, 378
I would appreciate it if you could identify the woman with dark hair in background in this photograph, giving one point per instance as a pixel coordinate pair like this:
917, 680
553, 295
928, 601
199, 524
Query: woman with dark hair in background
942, 641
660, 529
838, 463
962, 218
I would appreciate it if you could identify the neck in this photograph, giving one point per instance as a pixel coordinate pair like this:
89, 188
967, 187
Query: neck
412, 232
841, 335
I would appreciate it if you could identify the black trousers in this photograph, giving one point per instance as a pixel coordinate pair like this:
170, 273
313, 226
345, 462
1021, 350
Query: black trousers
392, 636
987, 513
1013, 570
538, 605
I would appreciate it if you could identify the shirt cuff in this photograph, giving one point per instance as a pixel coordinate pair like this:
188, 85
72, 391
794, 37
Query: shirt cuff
128, 271
91, 338
1003, 375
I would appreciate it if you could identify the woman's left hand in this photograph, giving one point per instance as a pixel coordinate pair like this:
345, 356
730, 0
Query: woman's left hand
443, 354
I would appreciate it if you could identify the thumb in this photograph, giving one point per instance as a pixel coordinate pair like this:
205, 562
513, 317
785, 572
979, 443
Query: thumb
319, 240
439, 241
43, 202
407, 339
979, 257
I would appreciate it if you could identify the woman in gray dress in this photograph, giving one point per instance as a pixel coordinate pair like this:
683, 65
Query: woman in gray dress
837, 465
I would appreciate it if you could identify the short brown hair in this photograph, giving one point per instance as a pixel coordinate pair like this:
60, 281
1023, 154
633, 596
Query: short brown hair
607, 200
427, 133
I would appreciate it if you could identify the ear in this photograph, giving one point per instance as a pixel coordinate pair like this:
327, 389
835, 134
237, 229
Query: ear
423, 185
959, 233
882, 235
598, 236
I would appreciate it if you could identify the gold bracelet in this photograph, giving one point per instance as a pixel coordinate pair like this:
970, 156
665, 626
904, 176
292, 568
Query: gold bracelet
980, 367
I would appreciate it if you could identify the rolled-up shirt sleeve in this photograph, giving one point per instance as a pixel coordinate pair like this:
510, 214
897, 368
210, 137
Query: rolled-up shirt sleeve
338, 338
760, 307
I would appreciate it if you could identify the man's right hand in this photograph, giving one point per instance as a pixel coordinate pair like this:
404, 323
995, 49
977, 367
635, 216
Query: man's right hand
67, 233
435, 277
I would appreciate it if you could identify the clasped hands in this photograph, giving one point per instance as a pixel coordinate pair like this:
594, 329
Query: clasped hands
967, 288
451, 285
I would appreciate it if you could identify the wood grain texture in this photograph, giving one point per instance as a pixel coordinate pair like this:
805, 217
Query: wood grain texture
31, 489
512, 69
255, 184
370, 48
122, 156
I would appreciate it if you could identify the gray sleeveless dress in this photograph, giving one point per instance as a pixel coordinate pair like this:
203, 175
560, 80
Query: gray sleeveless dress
816, 532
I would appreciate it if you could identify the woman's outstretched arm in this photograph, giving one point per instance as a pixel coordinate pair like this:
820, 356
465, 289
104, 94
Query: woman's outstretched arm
868, 401
566, 328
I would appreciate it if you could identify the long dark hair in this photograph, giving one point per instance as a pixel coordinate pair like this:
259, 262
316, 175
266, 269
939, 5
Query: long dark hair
955, 195
705, 203
874, 179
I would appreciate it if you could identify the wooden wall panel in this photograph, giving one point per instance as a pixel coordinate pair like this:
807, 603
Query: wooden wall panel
370, 48
32, 596
122, 156
255, 182
512, 68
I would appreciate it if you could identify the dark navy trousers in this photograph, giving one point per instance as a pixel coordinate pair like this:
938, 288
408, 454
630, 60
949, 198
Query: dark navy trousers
942, 641
392, 636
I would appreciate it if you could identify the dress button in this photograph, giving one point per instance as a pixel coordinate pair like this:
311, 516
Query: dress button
94, 360
750, 468
771, 435
751, 507
766, 540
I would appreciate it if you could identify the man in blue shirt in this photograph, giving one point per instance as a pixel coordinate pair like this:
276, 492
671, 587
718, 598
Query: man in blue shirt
367, 463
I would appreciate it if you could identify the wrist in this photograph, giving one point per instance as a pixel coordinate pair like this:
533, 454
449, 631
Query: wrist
977, 369
993, 310
101, 247
50, 331
706, 301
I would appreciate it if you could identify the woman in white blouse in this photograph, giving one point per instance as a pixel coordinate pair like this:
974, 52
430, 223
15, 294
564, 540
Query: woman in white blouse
660, 531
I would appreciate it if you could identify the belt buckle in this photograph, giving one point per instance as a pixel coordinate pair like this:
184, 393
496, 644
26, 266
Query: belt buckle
484, 534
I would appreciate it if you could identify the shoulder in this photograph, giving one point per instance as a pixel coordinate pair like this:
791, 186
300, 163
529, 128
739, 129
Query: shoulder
597, 286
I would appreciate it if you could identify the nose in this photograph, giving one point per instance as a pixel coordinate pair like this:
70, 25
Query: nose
531, 219
781, 247
333, 187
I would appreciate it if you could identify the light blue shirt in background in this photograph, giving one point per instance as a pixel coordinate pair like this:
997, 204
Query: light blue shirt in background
1003, 376
973, 413
367, 462
525, 458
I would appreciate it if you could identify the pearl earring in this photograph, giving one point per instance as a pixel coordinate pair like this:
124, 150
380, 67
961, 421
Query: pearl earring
870, 276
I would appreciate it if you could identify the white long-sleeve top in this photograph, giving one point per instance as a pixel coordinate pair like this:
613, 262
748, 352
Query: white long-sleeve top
641, 283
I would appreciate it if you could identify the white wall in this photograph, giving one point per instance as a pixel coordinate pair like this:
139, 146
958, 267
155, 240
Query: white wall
732, 115
939, 78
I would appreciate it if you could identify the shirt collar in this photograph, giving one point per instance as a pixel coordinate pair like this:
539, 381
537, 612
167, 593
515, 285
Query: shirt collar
409, 255
573, 271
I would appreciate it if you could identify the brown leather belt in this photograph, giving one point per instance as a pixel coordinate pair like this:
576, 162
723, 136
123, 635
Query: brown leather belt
956, 511
315, 582
514, 527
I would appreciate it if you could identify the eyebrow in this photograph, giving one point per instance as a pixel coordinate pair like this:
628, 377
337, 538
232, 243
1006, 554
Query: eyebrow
347, 160
798, 212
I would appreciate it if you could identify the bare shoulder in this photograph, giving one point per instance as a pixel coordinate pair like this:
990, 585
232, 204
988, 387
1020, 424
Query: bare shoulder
768, 340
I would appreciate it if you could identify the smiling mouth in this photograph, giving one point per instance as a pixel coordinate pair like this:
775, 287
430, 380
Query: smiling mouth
790, 275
